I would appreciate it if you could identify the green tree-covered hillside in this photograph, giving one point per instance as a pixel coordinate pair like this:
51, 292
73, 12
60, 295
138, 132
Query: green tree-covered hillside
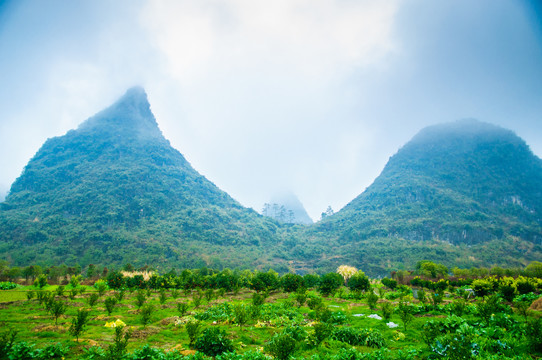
115, 191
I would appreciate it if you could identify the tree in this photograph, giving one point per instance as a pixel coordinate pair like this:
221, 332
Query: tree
346, 272
328, 212
57, 308
329, 283
79, 322
359, 282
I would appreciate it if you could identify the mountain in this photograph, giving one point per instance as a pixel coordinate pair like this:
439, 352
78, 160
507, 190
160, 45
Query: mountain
287, 208
114, 191
465, 193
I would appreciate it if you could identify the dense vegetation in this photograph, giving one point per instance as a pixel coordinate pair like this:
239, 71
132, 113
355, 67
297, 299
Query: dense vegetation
114, 191
198, 314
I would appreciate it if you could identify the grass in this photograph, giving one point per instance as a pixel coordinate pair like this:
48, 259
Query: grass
36, 326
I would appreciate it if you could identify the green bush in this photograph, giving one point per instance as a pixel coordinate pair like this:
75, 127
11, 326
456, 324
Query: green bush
281, 346
53, 351
146, 314
533, 333
110, 303
193, 328
372, 299
329, 283
7, 340
213, 341
7, 285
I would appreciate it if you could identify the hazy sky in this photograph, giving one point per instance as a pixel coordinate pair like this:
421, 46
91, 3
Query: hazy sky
311, 96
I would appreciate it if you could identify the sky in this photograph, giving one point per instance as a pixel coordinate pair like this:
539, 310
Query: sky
307, 96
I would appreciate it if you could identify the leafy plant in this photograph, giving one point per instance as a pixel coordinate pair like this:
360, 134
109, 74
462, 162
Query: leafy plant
162, 296
7, 340
101, 287
213, 342
119, 294
110, 303
193, 328
79, 322
372, 298
241, 313
58, 308
182, 308
117, 350
93, 299
146, 314
281, 346
141, 298
405, 313
387, 310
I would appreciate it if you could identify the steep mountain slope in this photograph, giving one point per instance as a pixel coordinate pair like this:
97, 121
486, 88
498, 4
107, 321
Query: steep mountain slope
115, 191
467, 192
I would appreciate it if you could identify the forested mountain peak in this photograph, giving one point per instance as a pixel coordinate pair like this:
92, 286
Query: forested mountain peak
114, 190
129, 116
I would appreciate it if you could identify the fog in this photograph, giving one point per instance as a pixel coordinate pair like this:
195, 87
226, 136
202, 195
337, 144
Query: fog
260, 96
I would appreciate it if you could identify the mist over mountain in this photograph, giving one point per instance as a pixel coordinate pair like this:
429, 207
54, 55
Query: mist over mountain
286, 207
114, 191
466, 193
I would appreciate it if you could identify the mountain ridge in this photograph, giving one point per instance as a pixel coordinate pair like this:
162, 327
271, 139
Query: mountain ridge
114, 191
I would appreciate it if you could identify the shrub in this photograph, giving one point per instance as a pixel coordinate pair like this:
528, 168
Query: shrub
41, 281
7, 285
321, 332
241, 313
75, 281
525, 285
117, 350
163, 296
101, 287
58, 308
387, 310
372, 299
141, 298
359, 282
93, 299
483, 287
22, 351
193, 329
281, 346
6, 342
79, 322
119, 294
110, 303
300, 296
329, 283
533, 333
146, 314
315, 303
30, 295
405, 313
258, 299
182, 308
488, 306
292, 282
213, 341
390, 283
53, 351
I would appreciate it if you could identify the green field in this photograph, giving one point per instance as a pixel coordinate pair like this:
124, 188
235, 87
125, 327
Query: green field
339, 326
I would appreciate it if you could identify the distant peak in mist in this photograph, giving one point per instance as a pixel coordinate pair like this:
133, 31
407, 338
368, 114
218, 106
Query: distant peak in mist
131, 114
286, 207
